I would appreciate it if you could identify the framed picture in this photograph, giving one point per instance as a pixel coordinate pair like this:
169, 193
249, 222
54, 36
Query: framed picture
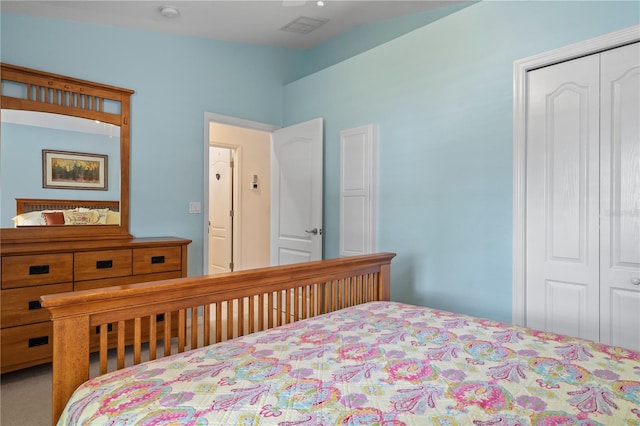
74, 170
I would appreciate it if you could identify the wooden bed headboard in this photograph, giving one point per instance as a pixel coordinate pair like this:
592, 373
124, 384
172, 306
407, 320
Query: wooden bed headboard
26, 205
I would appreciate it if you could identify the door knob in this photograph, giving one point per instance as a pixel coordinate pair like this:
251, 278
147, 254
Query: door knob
635, 281
313, 231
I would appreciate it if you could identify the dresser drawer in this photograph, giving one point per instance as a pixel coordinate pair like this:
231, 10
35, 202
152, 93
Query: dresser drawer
157, 259
93, 265
23, 271
133, 279
26, 345
22, 305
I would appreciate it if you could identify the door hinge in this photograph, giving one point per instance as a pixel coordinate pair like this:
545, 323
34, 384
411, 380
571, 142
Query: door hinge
231, 213
231, 266
231, 164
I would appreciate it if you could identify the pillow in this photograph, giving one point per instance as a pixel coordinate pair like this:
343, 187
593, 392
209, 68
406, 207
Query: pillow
113, 218
74, 217
53, 218
29, 219
102, 216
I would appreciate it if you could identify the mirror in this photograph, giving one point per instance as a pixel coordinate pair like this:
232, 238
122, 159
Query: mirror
48, 120
26, 134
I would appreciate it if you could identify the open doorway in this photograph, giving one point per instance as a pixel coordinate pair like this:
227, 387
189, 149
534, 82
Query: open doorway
237, 208
277, 191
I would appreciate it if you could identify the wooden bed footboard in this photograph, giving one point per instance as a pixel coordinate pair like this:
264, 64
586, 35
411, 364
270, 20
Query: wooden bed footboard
207, 309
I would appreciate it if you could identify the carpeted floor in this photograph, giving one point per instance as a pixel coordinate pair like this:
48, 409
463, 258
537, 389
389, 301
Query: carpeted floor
25, 397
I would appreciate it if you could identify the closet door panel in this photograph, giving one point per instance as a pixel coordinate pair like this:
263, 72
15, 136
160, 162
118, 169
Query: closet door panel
562, 198
620, 197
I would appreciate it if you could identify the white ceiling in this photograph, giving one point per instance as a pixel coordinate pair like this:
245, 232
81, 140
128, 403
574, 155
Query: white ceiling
256, 22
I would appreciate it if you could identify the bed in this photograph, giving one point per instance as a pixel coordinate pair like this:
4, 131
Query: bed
321, 343
51, 212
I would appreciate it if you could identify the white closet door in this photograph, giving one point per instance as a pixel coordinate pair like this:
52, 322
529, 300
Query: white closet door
562, 253
357, 190
620, 197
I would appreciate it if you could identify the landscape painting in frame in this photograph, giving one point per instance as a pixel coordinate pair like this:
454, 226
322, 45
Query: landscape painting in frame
74, 170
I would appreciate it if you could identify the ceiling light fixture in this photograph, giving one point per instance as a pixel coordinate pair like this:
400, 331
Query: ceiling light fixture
169, 12
320, 3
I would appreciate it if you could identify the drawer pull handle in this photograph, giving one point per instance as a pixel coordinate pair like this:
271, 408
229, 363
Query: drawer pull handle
157, 259
38, 341
38, 269
34, 304
109, 328
104, 264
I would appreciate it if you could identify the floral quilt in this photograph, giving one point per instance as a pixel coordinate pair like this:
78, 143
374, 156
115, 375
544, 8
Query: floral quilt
381, 363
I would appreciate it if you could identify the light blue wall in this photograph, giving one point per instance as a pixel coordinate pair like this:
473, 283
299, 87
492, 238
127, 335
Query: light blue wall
176, 80
442, 98
441, 95
363, 38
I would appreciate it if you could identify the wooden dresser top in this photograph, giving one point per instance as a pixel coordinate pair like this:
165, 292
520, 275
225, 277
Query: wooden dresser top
88, 245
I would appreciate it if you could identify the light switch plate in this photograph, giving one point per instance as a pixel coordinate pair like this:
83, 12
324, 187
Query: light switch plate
194, 207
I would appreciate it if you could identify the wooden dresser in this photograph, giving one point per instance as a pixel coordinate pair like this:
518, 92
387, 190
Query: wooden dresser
30, 270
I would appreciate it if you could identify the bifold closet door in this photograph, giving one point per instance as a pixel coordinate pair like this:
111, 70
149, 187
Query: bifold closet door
620, 197
562, 198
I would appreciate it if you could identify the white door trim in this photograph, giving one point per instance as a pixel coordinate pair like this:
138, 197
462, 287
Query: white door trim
520, 69
210, 117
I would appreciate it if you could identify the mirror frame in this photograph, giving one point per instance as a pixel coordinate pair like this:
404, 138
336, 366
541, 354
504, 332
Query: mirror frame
59, 94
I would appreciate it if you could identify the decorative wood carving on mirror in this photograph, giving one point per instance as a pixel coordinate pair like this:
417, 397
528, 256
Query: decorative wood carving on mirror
59, 94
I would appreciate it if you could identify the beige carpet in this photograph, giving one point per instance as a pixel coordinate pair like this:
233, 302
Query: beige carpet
25, 397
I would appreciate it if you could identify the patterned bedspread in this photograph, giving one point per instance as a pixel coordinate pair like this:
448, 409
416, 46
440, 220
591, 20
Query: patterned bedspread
380, 363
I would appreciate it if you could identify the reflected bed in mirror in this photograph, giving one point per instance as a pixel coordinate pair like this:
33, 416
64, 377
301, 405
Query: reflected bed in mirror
27, 134
39, 212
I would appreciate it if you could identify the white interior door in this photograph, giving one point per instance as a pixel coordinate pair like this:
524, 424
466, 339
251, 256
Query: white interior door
358, 190
220, 210
620, 197
296, 193
562, 208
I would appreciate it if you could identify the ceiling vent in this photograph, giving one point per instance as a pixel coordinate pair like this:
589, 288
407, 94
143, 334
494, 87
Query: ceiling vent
304, 24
